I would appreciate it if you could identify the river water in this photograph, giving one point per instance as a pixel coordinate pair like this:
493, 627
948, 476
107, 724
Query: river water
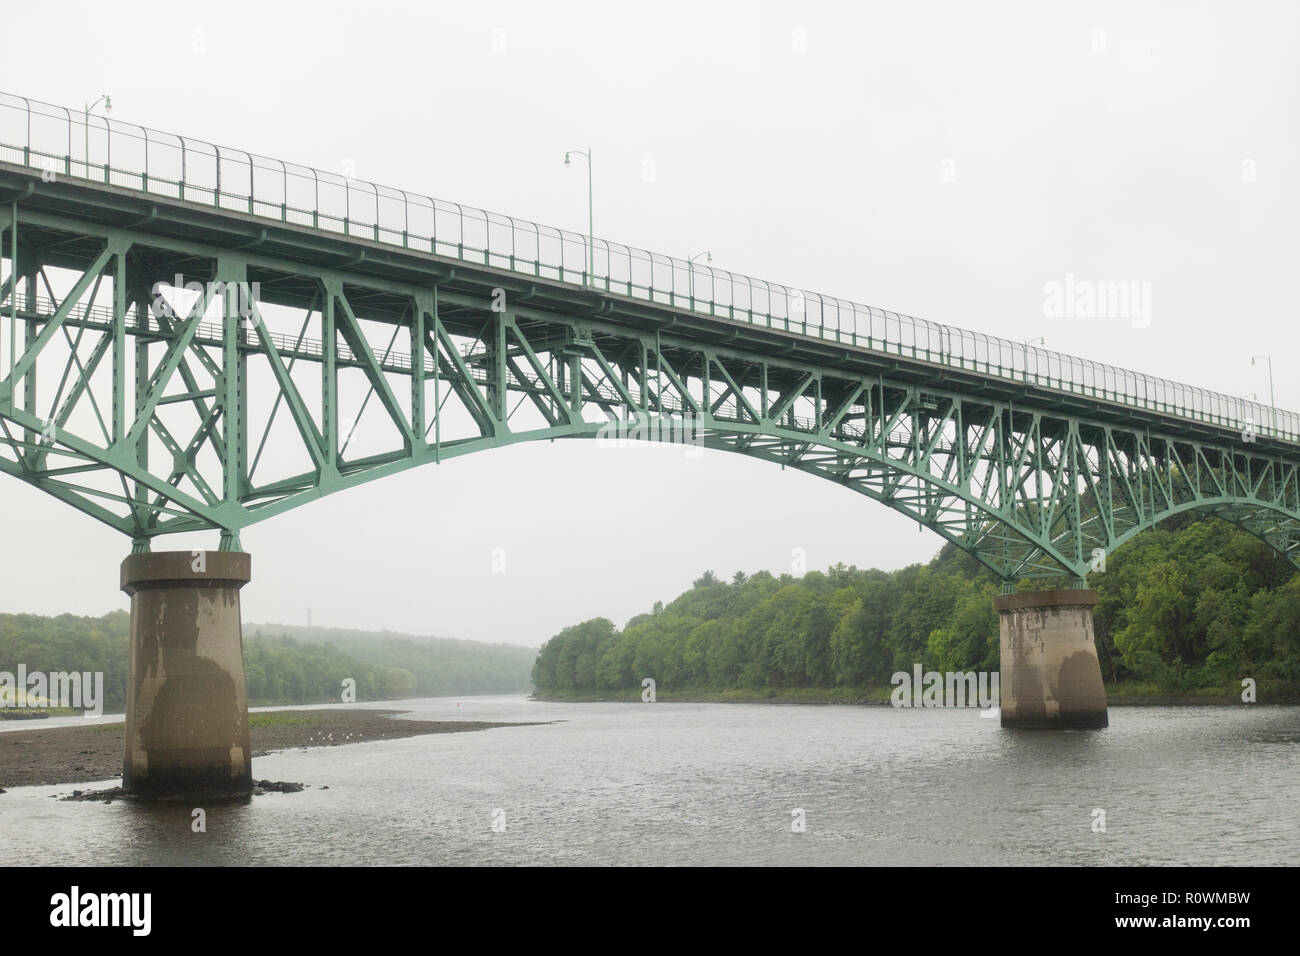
687, 784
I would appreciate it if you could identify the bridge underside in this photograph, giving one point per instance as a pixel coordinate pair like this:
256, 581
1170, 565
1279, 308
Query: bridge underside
168, 368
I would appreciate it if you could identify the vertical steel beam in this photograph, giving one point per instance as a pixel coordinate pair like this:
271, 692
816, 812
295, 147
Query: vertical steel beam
437, 381
497, 381
13, 293
422, 307
706, 389
233, 275
142, 340
119, 343
329, 377
643, 373
575, 386
29, 271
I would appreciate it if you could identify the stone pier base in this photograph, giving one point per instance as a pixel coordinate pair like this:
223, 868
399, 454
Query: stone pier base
186, 700
1051, 677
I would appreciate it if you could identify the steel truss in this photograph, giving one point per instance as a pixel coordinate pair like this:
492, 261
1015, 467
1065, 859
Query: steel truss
144, 415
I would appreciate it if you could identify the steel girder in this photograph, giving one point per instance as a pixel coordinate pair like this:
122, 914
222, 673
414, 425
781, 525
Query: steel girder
159, 417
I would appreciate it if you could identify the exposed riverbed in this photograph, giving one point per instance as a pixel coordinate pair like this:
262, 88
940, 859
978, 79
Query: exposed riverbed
81, 753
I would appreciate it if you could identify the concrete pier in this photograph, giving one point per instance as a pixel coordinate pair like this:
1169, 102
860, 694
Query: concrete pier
1051, 677
186, 702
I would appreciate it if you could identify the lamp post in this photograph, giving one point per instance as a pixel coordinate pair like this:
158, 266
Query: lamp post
591, 236
90, 108
1272, 401
1247, 397
690, 272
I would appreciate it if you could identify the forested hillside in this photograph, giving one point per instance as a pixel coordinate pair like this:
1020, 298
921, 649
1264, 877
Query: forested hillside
281, 669
422, 666
1194, 604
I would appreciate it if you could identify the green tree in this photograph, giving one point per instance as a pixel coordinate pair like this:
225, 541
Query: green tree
705, 580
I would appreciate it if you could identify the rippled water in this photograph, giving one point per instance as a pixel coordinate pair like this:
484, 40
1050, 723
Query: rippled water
717, 783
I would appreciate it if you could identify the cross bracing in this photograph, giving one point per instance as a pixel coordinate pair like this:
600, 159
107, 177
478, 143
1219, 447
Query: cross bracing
171, 366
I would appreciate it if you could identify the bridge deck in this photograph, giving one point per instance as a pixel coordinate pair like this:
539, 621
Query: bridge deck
187, 190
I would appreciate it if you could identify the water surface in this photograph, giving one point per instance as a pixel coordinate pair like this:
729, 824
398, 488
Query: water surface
687, 784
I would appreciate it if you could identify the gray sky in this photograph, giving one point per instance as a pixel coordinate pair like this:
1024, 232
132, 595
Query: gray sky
945, 160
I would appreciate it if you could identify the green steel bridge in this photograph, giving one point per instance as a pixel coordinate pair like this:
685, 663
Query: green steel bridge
195, 337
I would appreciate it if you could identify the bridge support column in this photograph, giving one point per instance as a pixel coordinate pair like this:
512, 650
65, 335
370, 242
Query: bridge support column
186, 700
1051, 677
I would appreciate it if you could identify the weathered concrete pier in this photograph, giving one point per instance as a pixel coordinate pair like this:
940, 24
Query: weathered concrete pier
186, 704
1051, 676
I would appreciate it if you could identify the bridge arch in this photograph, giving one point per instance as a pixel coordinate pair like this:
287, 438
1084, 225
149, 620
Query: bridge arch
1244, 514
1028, 472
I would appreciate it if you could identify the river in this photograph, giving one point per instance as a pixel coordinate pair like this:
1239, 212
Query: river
683, 784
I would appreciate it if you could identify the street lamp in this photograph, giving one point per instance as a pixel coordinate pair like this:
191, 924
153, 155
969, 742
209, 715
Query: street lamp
1271, 400
690, 272
1038, 339
591, 236
90, 108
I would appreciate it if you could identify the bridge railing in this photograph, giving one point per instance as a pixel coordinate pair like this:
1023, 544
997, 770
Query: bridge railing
63, 142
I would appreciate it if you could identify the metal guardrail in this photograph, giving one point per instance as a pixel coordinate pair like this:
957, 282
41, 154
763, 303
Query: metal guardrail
43, 136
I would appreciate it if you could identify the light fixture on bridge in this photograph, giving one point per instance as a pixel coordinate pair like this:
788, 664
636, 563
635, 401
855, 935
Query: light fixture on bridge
90, 108
690, 272
591, 240
1271, 400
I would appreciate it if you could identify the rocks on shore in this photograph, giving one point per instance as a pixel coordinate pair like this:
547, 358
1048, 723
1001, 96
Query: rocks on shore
260, 787
106, 796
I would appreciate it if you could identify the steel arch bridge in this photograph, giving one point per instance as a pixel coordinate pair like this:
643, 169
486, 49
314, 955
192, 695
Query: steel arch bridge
193, 337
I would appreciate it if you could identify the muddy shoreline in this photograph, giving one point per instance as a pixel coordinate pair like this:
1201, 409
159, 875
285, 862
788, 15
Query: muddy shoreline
55, 755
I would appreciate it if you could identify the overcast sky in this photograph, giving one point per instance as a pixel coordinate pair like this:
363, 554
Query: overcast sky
946, 160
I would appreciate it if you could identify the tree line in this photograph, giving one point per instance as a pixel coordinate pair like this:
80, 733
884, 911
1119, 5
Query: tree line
1193, 604
280, 668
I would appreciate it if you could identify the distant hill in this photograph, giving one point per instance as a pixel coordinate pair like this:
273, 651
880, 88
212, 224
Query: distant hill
333, 635
438, 666
284, 664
